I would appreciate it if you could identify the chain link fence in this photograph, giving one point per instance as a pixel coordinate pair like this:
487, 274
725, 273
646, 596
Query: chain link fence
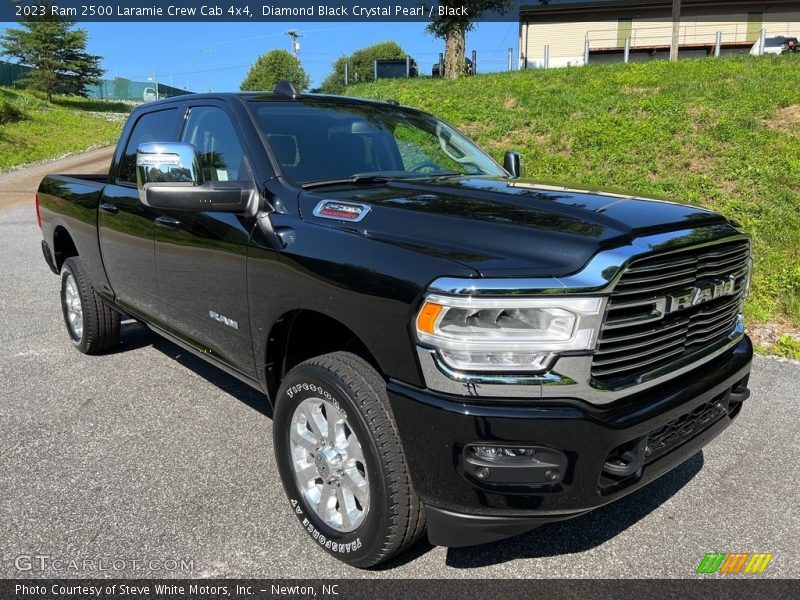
119, 88
125, 89
10, 72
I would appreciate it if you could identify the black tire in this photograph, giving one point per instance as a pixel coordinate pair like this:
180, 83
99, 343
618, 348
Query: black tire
395, 519
101, 324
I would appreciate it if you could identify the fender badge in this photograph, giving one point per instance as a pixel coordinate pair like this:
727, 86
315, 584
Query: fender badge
341, 211
223, 319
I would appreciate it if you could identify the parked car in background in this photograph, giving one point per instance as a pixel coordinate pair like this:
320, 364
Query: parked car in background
436, 71
779, 45
149, 94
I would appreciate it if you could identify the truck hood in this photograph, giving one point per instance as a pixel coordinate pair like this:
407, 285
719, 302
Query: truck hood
503, 228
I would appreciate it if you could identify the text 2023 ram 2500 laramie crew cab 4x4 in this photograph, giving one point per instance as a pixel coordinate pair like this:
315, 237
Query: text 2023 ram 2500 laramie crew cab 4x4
442, 343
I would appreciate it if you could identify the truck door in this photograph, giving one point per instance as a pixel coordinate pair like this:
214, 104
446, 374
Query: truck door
127, 226
201, 257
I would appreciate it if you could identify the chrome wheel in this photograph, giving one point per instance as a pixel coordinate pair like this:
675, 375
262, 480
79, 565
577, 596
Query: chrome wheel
329, 465
73, 307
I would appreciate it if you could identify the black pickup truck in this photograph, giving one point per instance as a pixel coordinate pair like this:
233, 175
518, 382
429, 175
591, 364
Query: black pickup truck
443, 344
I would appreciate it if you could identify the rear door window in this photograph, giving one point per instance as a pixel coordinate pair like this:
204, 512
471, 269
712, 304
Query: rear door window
150, 127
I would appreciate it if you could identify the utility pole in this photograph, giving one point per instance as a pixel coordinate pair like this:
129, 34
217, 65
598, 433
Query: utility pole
676, 30
294, 35
155, 80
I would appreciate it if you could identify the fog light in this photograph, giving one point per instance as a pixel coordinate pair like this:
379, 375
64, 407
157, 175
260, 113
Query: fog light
514, 464
502, 453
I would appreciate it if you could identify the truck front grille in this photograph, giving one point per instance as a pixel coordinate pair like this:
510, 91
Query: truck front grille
668, 307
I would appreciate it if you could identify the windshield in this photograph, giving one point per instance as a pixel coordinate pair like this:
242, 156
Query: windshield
316, 142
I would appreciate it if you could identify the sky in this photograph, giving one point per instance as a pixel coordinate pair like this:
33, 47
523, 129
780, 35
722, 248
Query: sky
217, 56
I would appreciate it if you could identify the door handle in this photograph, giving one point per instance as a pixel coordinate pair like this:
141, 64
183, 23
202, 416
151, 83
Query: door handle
108, 208
168, 223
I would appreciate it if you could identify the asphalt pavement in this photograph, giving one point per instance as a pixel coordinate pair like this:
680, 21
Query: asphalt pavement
17, 187
149, 460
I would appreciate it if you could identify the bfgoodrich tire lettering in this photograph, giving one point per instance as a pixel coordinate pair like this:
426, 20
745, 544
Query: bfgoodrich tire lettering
394, 519
92, 325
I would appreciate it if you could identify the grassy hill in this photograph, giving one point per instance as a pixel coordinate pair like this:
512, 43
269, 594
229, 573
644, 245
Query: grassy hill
32, 129
719, 133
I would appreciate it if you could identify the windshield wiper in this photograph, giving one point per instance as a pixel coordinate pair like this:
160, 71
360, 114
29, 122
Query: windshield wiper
344, 180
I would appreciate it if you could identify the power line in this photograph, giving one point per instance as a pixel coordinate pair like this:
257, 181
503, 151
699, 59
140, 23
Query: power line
194, 72
272, 35
247, 39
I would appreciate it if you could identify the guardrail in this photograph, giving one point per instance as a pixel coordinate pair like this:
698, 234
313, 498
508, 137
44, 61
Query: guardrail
661, 35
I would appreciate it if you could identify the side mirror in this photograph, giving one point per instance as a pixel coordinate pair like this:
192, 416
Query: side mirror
170, 176
169, 162
512, 162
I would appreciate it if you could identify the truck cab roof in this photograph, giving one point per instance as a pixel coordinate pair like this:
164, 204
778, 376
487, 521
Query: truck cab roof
283, 91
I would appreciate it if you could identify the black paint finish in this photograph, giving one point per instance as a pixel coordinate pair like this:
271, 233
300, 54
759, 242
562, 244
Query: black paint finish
435, 430
260, 269
171, 268
127, 243
504, 228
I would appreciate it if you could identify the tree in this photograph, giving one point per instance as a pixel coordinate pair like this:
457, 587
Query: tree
57, 53
272, 67
85, 68
453, 29
361, 65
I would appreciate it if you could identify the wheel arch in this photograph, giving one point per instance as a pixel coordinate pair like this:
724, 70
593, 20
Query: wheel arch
63, 246
301, 334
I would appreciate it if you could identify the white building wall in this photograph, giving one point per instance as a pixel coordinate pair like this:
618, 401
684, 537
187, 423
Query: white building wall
566, 35
783, 22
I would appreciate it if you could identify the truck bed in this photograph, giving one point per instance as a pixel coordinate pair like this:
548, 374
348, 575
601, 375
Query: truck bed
93, 177
68, 203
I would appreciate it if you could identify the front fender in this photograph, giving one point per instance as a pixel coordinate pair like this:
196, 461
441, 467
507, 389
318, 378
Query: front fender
370, 287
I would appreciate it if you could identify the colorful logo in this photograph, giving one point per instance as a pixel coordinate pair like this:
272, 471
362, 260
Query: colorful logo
734, 562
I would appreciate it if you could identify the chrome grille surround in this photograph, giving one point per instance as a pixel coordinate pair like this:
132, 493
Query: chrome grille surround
571, 375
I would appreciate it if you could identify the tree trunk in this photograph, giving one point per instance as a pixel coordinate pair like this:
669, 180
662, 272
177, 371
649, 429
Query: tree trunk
455, 42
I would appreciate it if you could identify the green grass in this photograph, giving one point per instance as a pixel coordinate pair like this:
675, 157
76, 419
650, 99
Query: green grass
718, 133
32, 129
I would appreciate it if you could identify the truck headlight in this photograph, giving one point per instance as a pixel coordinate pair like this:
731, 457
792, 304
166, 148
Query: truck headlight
507, 334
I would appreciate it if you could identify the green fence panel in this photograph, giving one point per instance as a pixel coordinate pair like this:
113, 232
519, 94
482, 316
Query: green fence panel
124, 89
107, 89
10, 72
